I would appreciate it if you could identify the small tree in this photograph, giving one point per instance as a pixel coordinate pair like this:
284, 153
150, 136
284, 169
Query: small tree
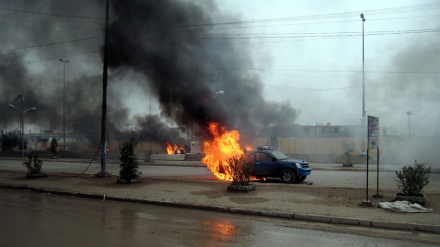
129, 166
240, 169
348, 147
412, 179
33, 166
54, 146
10, 140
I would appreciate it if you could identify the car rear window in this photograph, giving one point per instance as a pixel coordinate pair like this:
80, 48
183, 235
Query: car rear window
279, 155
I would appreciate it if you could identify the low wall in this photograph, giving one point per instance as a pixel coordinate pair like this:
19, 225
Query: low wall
329, 158
175, 157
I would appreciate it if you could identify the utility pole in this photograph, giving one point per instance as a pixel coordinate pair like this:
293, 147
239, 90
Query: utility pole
22, 127
103, 171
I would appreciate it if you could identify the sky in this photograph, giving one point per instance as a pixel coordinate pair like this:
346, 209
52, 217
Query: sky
278, 62
314, 52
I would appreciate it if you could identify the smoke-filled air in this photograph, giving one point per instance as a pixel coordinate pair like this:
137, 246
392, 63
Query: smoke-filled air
156, 49
246, 65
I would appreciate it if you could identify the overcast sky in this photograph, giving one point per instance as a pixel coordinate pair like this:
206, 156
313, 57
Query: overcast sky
310, 52
306, 53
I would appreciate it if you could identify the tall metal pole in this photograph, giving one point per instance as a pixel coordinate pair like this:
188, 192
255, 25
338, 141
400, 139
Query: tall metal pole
409, 113
377, 195
22, 112
104, 96
22, 127
64, 107
363, 79
368, 154
367, 202
64, 104
363, 71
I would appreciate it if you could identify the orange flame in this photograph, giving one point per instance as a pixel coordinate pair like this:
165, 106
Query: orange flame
174, 149
223, 147
170, 149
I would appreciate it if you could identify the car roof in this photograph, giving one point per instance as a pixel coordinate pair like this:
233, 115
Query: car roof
261, 148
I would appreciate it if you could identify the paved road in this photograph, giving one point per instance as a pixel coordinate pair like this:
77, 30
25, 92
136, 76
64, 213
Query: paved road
323, 177
35, 219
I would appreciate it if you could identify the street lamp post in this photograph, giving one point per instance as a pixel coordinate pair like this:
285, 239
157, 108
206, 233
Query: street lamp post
363, 72
409, 113
64, 104
363, 82
22, 123
367, 202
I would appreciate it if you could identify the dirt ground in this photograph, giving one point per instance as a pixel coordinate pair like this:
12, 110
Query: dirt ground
163, 188
350, 197
330, 196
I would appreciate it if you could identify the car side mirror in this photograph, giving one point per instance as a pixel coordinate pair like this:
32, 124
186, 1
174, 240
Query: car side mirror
274, 159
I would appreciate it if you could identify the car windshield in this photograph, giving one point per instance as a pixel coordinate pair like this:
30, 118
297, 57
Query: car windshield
279, 155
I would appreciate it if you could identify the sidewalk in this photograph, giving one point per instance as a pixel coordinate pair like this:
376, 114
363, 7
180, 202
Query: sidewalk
294, 201
315, 166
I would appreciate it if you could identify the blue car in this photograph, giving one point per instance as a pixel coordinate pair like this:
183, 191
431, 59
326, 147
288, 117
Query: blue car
272, 163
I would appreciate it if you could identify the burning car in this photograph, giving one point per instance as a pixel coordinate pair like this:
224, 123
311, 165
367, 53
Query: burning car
269, 162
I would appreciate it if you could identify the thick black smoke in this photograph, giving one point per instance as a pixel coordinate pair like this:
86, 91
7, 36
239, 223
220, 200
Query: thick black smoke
168, 42
36, 35
171, 44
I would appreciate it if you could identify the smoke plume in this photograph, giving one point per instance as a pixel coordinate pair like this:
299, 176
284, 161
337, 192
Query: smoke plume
160, 48
168, 42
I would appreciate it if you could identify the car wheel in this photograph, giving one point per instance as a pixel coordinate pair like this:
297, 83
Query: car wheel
287, 176
300, 179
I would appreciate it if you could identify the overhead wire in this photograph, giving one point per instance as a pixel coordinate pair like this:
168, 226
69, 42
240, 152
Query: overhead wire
47, 24
274, 86
325, 71
276, 37
423, 7
89, 19
282, 36
64, 56
68, 11
48, 44
48, 14
302, 36
55, 43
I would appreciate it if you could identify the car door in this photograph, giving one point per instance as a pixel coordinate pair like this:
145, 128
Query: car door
264, 164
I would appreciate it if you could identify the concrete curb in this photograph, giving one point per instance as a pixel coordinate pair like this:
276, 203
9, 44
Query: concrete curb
281, 215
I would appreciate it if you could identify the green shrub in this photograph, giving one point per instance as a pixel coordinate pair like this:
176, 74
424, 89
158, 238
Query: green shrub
240, 169
53, 146
412, 179
33, 164
129, 163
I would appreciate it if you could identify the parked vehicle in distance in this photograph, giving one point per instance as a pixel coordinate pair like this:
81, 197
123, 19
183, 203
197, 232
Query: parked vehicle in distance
271, 163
